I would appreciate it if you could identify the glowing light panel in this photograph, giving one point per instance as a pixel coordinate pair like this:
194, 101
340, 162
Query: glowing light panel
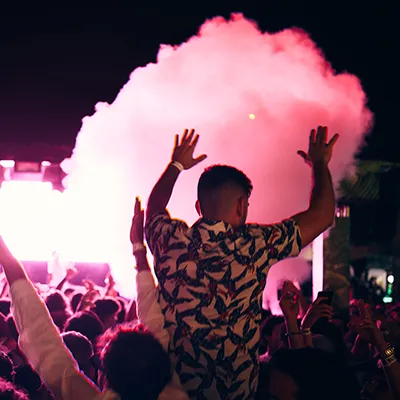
318, 266
35, 221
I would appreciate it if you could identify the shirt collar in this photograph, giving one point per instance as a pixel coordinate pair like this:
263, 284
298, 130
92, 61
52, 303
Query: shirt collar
213, 225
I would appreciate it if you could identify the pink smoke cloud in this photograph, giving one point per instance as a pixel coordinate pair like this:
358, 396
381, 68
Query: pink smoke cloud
213, 83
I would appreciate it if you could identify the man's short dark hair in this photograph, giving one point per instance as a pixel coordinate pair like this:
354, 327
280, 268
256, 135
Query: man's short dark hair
217, 176
134, 363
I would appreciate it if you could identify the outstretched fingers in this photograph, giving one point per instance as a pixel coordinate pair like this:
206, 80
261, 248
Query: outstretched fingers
138, 207
184, 136
313, 136
176, 141
200, 158
187, 137
334, 139
322, 133
190, 137
195, 140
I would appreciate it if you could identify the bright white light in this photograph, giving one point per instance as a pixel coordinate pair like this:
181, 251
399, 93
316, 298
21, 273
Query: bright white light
36, 220
7, 163
318, 266
390, 278
46, 163
252, 116
387, 299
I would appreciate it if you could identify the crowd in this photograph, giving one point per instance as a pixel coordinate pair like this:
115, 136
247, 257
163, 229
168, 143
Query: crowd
200, 332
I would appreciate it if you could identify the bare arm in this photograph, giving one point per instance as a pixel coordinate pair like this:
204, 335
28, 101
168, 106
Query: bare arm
147, 306
182, 159
314, 312
290, 308
39, 338
12, 268
296, 340
392, 371
162, 191
320, 214
367, 329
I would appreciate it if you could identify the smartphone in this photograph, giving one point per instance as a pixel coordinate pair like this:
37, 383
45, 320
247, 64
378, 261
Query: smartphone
328, 295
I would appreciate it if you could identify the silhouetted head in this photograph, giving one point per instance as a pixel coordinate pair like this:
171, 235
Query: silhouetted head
82, 350
310, 374
56, 301
6, 367
133, 363
107, 310
87, 323
29, 380
75, 300
223, 194
270, 339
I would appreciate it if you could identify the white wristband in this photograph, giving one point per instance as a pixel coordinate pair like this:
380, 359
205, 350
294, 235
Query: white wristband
138, 247
178, 165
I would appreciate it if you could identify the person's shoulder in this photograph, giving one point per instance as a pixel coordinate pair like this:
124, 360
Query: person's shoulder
164, 217
285, 224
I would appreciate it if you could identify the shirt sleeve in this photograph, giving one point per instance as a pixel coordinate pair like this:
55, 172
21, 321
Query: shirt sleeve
42, 344
160, 229
282, 240
148, 309
150, 314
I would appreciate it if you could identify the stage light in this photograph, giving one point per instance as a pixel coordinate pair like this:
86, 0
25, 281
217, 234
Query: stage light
387, 299
390, 278
318, 266
54, 174
7, 163
24, 167
252, 116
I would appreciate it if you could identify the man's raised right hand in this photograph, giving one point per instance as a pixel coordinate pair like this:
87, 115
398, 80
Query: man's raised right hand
183, 150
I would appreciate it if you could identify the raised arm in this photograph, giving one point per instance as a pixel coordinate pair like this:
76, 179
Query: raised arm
368, 330
182, 158
290, 308
320, 214
39, 338
147, 307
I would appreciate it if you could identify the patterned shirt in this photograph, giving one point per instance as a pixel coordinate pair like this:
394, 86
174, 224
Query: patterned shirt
211, 279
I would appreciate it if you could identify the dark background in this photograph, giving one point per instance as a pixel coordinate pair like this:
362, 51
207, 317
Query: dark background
57, 61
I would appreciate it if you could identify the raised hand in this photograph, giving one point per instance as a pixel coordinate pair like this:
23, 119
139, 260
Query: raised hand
289, 302
315, 312
71, 273
184, 149
365, 326
87, 300
319, 150
136, 234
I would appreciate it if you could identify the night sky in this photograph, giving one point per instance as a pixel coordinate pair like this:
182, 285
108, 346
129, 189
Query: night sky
56, 63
